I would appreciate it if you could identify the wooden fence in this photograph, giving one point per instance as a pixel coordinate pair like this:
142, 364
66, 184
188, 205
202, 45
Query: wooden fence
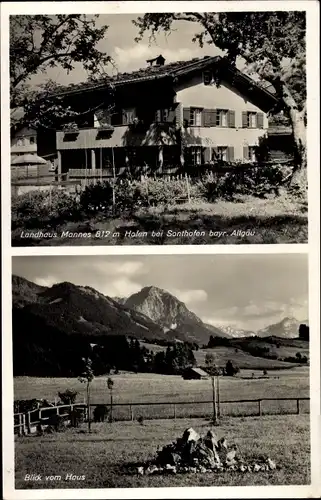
27, 423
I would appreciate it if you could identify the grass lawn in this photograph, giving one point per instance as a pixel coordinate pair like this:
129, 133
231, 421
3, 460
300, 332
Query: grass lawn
277, 220
103, 455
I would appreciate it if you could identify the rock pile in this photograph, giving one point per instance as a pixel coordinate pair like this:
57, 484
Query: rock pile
192, 453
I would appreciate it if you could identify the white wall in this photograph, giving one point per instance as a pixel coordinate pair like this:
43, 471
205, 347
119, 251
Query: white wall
20, 143
224, 97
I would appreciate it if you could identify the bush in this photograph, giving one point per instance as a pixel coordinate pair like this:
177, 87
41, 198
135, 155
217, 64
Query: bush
68, 397
36, 207
96, 198
256, 181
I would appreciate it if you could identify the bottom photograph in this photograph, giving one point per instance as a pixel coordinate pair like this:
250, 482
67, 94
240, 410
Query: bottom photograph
161, 370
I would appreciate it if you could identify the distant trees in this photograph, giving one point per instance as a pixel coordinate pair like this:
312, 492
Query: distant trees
174, 360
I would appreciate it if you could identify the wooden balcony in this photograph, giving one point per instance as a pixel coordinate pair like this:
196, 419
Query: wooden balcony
156, 134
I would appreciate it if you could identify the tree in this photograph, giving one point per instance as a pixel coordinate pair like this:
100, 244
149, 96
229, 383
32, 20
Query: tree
272, 45
304, 332
213, 371
40, 42
110, 385
87, 377
231, 369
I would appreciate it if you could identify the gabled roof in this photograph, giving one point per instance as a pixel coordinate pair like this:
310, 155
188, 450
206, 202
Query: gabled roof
199, 371
172, 71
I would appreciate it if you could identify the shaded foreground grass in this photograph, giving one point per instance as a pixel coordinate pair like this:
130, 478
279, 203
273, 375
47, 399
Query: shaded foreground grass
103, 455
250, 220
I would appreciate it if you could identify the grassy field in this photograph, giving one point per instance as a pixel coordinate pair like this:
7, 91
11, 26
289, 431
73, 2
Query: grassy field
152, 388
277, 220
103, 456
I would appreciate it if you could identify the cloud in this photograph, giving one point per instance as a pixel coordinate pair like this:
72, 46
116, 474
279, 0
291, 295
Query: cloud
189, 296
134, 57
122, 287
130, 268
48, 281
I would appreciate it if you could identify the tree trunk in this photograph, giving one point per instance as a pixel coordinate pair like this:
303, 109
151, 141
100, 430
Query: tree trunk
214, 400
299, 136
88, 406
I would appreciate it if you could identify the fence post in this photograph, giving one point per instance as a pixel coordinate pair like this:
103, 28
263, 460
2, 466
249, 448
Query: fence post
260, 408
174, 411
28, 423
298, 406
20, 425
131, 413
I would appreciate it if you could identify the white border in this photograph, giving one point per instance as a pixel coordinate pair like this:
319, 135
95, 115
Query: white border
312, 9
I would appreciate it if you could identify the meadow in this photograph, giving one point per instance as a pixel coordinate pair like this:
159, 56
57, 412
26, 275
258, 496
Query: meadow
102, 457
153, 388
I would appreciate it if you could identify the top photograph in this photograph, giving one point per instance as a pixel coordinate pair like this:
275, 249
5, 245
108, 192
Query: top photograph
185, 128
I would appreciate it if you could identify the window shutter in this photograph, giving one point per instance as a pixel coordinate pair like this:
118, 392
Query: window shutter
231, 118
259, 118
178, 115
206, 117
213, 113
245, 152
215, 153
186, 112
230, 153
207, 155
244, 119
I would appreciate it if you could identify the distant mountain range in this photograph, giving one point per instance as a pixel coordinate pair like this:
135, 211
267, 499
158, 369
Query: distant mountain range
151, 313
286, 328
55, 327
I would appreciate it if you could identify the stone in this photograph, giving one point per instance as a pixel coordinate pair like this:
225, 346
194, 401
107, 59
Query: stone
256, 468
271, 464
242, 468
190, 435
171, 468
210, 440
152, 469
140, 471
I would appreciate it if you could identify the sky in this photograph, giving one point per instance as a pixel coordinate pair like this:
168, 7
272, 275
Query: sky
128, 55
249, 291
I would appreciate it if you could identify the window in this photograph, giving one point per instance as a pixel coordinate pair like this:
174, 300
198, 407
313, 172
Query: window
129, 115
195, 117
252, 153
32, 140
19, 142
252, 119
196, 155
221, 117
162, 115
207, 77
222, 153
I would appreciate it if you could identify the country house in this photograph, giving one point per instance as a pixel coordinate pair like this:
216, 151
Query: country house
164, 115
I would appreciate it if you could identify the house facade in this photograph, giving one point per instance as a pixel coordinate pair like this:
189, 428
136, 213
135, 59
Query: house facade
23, 141
165, 117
